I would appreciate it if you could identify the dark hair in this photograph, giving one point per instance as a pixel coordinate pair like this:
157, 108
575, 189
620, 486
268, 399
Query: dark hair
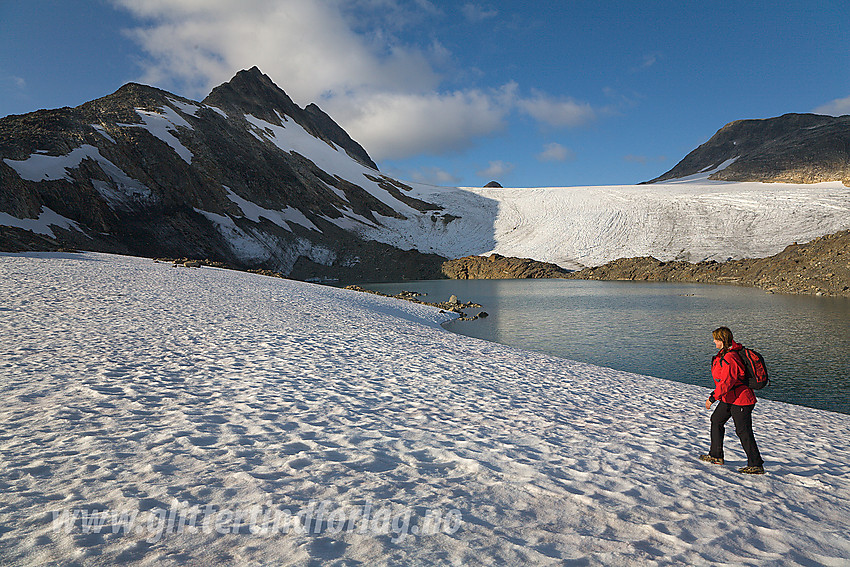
724, 335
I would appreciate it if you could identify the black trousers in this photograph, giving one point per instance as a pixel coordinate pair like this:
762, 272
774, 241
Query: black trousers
743, 418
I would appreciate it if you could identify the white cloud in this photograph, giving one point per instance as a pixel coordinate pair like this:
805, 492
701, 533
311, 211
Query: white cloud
18, 83
556, 152
496, 169
477, 13
649, 60
838, 107
558, 112
308, 45
432, 176
397, 125
346, 56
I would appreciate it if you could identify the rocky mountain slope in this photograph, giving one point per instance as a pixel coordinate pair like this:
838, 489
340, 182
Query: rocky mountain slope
793, 148
246, 177
819, 267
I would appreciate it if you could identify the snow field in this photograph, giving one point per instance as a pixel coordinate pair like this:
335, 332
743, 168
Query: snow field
132, 385
576, 227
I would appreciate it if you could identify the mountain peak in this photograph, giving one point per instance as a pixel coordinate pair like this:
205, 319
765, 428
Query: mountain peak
792, 148
253, 92
127, 98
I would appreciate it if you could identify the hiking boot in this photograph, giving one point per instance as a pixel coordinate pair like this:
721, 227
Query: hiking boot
710, 459
751, 470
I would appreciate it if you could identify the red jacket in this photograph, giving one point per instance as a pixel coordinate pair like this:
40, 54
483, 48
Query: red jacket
728, 374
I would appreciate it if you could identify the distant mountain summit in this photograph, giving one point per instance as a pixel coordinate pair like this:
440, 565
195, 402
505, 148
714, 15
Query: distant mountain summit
246, 177
254, 93
793, 148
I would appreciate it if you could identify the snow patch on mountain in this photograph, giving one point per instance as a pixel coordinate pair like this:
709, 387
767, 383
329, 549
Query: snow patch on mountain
123, 194
192, 108
703, 175
244, 246
292, 137
185, 107
253, 212
218, 111
350, 220
102, 131
41, 167
251, 245
42, 224
164, 125
123, 191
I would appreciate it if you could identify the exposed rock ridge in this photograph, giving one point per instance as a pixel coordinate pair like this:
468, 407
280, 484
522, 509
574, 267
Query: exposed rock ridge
253, 92
793, 148
819, 267
497, 267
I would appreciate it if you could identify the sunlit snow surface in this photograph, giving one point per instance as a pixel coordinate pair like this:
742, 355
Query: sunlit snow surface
588, 226
132, 385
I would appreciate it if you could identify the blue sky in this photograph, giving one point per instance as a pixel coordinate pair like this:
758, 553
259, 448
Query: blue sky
458, 93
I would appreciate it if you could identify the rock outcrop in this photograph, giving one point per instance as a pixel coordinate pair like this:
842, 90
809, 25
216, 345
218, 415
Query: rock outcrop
819, 267
793, 148
497, 267
453, 304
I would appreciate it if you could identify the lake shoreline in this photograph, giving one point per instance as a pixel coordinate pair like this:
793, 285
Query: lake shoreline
663, 329
820, 267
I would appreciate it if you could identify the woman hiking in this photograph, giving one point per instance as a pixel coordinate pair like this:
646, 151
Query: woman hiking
736, 400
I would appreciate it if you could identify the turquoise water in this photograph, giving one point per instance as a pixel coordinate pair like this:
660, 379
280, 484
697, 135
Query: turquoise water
664, 330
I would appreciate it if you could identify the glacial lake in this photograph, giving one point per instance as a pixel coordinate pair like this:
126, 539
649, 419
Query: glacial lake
663, 330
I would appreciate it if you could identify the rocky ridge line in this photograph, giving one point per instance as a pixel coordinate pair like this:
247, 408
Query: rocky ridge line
793, 148
820, 267
496, 266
